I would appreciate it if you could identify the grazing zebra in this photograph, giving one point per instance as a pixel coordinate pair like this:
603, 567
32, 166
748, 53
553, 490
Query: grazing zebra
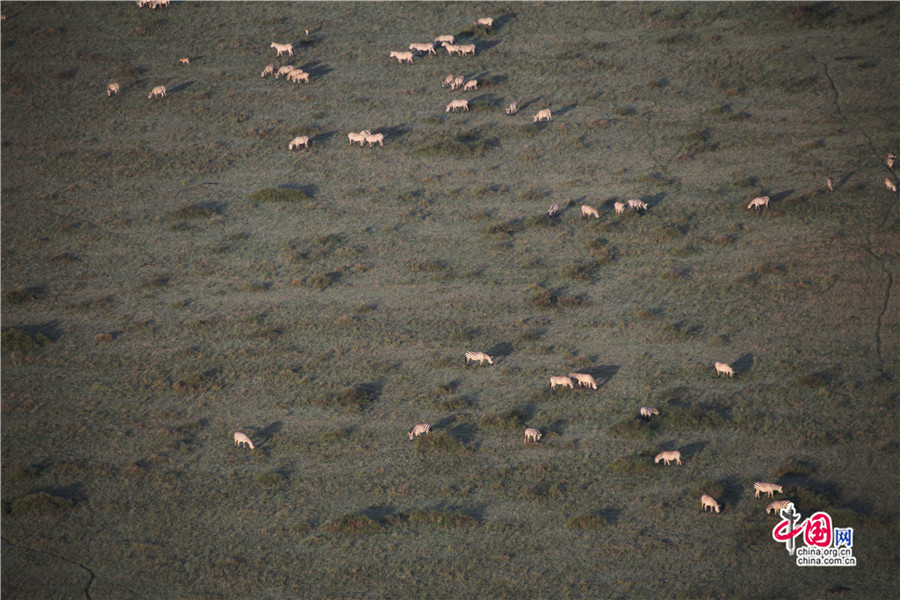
890, 185
241, 438
443, 40
554, 210
297, 75
759, 202
637, 204
584, 380
457, 82
458, 103
479, 356
113, 89
777, 506
648, 411
420, 429
668, 457
543, 115
619, 207
302, 140
589, 211
766, 488
724, 369
708, 502
280, 48
466, 49
532, 435
158, 92
472, 84
513, 108
269, 70
486, 22
448, 82
561, 380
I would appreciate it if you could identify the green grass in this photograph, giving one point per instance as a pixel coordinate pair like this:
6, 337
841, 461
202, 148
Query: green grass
171, 274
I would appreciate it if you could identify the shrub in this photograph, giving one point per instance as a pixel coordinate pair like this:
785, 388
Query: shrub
440, 441
510, 419
354, 398
442, 518
354, 524
588, 522
196, 211
271, 478
277, 195
40, 503
18, 296
17, 340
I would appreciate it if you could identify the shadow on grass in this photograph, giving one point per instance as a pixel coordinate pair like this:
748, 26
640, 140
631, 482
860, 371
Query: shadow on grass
691, 451
316, 69
743, 364
179, 87
564, 109
602, 374
270, 431
325, 136
500, 350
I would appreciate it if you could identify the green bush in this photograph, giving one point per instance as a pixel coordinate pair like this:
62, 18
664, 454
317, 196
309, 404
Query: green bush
277, 195
17, 340
353, 524
40, 503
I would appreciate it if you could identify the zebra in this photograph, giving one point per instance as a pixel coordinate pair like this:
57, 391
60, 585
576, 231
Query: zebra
479, 356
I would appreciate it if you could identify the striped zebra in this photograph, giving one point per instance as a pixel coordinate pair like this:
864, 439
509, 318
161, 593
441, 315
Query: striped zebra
561, 380
668, 457
420, 429
766, 488
479, 356
777, 506
648, 411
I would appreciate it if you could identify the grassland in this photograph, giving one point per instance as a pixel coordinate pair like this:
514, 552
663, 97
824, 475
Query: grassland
171, 274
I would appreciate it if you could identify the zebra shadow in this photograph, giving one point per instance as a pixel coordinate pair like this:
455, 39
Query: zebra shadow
325, 136
692, 450
179, 87
500, 350
843, 181
481, 44
564, 110
743, 364
502, 20
316, 69
528, 103
775, 198
602, 374
271, 430
733, 490
654, 200
394, 131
